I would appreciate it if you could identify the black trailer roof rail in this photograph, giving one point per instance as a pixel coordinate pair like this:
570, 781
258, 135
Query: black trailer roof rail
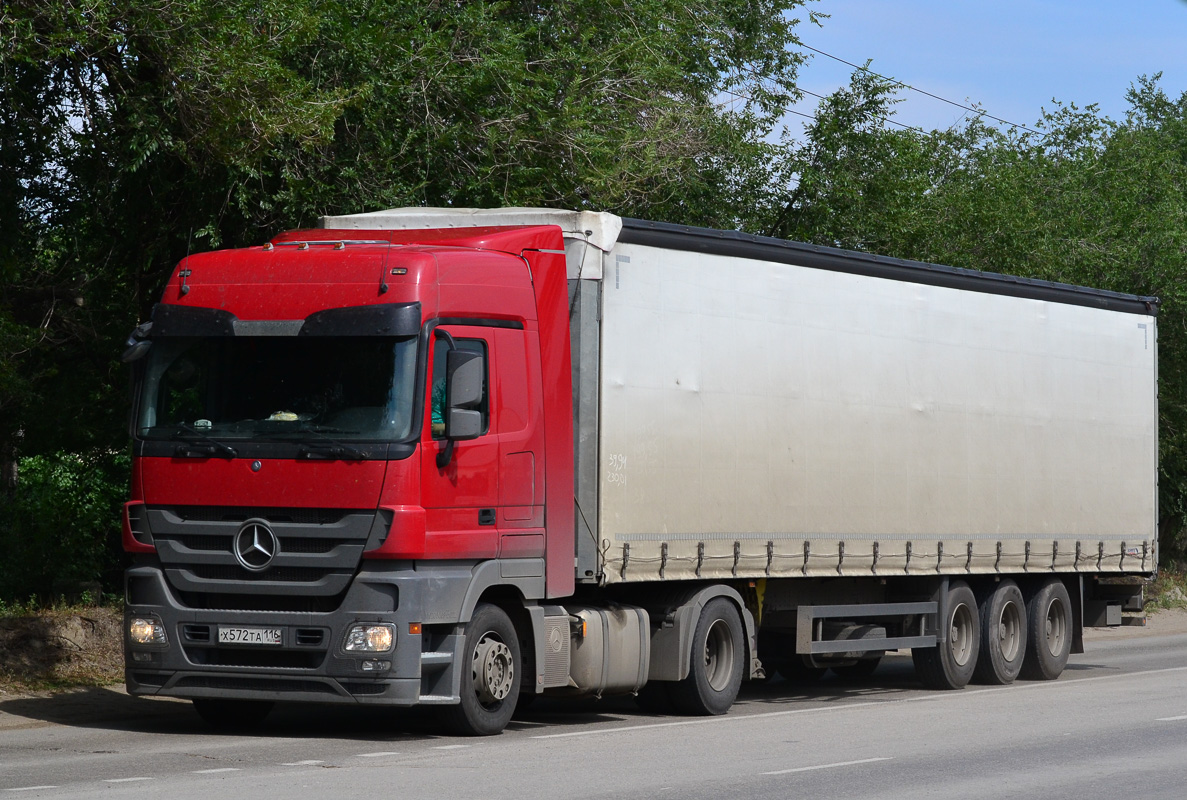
766, 248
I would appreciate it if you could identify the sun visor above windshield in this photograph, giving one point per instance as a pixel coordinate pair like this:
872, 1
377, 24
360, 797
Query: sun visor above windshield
385, 319
173, 320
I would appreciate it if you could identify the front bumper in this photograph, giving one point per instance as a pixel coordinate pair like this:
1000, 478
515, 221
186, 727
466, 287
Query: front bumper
310, 664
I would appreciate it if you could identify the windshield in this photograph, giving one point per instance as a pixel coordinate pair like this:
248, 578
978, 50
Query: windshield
279, 387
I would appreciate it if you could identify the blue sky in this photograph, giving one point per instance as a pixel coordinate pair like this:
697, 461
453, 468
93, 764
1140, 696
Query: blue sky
1010, 56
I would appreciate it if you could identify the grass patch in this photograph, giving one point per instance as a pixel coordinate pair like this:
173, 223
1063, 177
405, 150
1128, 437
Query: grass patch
1168, 589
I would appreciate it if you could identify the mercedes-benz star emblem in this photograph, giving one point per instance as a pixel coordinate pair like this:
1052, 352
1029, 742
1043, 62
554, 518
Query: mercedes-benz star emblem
256, 545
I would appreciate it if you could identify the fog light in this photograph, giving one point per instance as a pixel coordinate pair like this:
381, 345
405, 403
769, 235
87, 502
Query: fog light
142, 657
370, 639
147, 632
376, 666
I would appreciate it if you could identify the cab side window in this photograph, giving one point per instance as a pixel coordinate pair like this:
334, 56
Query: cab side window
440, 348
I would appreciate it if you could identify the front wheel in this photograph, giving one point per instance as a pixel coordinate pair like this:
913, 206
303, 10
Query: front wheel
715, 672
491, 672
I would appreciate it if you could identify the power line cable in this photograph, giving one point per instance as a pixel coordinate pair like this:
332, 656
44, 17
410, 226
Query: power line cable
921, 91
883, 118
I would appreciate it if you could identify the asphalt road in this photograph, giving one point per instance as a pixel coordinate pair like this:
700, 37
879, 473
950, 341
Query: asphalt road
1114, 725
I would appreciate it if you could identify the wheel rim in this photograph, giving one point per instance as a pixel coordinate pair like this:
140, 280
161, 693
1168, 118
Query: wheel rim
719, 655
1056, 626
493, 669
960, 637
1009, 631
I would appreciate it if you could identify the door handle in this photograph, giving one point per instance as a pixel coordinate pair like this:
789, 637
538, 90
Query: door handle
486, 516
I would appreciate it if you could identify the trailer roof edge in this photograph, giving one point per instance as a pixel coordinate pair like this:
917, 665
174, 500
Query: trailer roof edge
765, 248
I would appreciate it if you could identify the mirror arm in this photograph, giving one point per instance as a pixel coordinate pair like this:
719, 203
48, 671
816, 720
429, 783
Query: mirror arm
445, 454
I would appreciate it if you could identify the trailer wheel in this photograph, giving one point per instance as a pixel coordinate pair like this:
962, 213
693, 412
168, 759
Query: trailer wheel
1003, 634
1049, 632
950, 665
715, 672
232, 715
490, 674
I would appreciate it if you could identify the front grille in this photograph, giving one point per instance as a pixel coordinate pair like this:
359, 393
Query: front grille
262, 657
253, 684
222, 543
294, 603
217, 572
296, 516
318, 551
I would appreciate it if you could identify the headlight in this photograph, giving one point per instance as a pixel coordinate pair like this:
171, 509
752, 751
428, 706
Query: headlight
370, 639
147, 632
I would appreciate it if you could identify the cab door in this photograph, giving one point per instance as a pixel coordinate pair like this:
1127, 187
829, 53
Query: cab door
460, 498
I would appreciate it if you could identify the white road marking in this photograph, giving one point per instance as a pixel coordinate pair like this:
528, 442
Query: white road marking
29, 788
451, 747
828, 766
125, 780
376, 755
701, 721
1171, 719
214, 771
932, 697
310, 763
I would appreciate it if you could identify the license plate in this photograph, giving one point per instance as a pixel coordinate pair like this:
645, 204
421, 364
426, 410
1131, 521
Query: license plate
249, 636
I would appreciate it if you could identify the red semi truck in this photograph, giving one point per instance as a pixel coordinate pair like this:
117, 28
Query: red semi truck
457, 457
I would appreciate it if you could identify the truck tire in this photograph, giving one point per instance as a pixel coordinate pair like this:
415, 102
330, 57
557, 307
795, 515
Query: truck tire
715, 671
232, 715
491, 672
1049, 632
950, 665
1003, 634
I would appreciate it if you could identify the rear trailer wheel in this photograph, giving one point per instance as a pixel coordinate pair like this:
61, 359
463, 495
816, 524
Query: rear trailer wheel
232, 715
1049, 632
715, 671
491, 672
1003, 634
950, 664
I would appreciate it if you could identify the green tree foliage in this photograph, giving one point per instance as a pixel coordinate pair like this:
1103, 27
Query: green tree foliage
1087, 200
61, 530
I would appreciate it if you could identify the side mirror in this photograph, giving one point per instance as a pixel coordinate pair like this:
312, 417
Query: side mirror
138, 343
465, 372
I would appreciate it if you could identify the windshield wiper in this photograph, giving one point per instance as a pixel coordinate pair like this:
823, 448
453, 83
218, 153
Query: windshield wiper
328, 446
209, 445
321, 447
329, 449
